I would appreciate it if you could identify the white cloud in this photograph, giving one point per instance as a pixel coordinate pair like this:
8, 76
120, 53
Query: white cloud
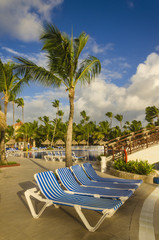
96, 48
157, 48
101, 97
23, 19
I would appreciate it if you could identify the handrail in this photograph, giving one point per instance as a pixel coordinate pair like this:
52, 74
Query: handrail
132, 142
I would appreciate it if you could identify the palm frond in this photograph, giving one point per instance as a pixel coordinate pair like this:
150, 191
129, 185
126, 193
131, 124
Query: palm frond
89, 68
59, 48
79, 44
35, 73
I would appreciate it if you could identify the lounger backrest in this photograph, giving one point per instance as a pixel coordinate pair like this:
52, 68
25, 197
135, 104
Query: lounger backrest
90, 171
67, 179
49, 185
80, 174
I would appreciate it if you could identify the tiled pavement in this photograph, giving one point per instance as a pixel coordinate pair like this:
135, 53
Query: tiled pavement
16, 222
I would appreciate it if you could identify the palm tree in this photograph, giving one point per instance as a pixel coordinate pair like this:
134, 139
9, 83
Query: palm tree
10, 84
25, 132
55, 104
3, 126
46, 127
85, 117
119, 117
12, 99
63, 54
110, 115
20, 103
60, 114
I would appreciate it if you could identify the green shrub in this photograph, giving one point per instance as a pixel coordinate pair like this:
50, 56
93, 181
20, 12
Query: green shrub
8, 163
137, 167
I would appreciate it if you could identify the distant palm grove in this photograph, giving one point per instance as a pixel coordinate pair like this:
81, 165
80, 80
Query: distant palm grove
37, 132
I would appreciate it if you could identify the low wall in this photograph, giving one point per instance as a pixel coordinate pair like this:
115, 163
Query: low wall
126, 175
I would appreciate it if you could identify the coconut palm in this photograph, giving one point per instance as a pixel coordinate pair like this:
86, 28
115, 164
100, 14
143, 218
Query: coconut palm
46, 128
3, 126
60, 114
55, 104
12, 99
25, 132
119, 117
20, 103
10, 84
110, 116
84, 116
63, 54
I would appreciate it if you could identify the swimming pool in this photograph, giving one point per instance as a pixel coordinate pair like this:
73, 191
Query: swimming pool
90, 153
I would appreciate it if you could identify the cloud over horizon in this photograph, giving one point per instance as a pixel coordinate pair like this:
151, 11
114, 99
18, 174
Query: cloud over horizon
101, 96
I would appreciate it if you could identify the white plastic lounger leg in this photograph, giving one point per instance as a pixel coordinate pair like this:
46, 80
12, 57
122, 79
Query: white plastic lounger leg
86, 223
33, 192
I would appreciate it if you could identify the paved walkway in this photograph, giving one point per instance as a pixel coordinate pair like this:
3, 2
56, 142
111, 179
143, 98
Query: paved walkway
16, 222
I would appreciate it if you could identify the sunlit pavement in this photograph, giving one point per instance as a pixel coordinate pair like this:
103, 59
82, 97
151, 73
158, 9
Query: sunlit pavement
137, 219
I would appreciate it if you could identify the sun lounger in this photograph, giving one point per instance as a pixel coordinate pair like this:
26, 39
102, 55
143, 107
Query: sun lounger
53, 194
85, 181
58, 156
49, 156
95, 177
69, 182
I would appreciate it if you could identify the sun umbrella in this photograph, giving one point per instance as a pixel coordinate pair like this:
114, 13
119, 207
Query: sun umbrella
46, 142
83, 142
10, 142
74, 142
60, 142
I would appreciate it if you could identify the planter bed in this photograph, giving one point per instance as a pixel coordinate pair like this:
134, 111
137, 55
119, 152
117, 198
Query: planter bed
127, 175
11, 165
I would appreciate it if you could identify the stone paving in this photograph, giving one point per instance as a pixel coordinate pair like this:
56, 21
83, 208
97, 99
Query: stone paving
16, 222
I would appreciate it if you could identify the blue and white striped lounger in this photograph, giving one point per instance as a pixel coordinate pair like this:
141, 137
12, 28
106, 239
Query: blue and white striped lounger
69, 182
54, 194
95, 177
85, 181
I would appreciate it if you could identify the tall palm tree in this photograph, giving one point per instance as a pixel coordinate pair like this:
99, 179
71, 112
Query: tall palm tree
10, 84
20, 103
110, 116
119, 117
12, 99
63, 54
3, 126
55, 104
46, 126
60, 114
85, 117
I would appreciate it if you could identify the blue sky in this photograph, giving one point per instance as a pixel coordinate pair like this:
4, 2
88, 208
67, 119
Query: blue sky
123, 35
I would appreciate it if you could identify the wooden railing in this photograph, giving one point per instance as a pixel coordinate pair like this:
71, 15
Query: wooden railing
132, 142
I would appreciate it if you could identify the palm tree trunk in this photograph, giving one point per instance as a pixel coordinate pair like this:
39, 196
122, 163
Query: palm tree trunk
23, 114
3, 158
13, 120
52, 141
2, 137
2, 147
69, 129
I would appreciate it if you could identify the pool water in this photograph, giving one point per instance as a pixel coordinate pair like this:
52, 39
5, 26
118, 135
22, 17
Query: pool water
90, 154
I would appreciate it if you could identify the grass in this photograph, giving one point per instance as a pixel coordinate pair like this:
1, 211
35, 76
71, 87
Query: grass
8, 163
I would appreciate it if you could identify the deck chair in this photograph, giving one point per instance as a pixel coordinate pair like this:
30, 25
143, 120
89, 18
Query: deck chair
95, 177
85, 181
49, 156
53, 194
69, 182
58, 156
